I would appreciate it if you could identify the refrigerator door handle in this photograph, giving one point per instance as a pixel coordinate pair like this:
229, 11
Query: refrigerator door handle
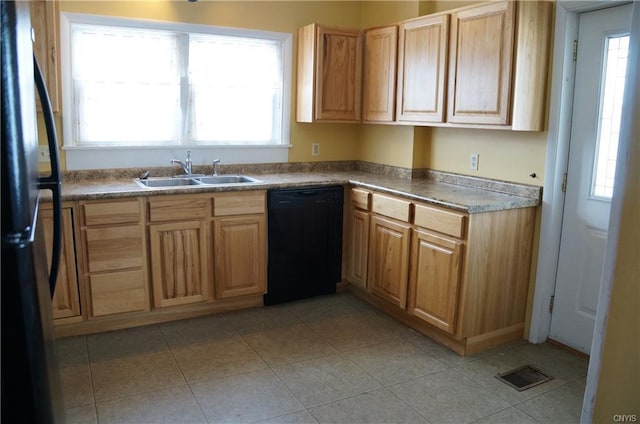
54, 181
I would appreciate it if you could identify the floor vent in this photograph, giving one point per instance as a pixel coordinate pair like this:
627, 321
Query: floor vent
523, 378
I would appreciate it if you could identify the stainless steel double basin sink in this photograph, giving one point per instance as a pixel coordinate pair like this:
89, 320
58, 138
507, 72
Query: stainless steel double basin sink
208, 180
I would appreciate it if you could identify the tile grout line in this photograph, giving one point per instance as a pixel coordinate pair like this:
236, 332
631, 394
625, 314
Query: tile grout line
187, 383
270, 368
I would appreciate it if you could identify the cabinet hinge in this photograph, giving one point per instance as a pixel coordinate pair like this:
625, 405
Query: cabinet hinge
551, 301
575, 50
564, 183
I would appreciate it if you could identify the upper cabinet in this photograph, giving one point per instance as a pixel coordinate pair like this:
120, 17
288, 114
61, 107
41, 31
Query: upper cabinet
329, 74
480, 64
44, 21
378, 101
422, 57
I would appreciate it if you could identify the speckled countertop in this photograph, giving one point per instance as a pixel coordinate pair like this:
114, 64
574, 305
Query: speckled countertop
467, 194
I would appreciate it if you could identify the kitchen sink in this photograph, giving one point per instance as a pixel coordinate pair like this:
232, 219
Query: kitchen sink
166, 182
195, 181
227, 179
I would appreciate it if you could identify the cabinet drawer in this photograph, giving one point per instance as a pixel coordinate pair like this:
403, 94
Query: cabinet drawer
237, 203
360, 198
117, 292
114, 248
392, 207
111, 212
172, 209
440, 220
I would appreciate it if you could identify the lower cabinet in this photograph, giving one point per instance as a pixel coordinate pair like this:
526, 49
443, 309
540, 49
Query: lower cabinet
113, 245
434, 286
389, 259
239, 256
179, 245
459, 278
239, 244
358, 231
66, 298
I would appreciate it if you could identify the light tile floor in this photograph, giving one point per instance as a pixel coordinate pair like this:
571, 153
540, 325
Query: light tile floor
330, 359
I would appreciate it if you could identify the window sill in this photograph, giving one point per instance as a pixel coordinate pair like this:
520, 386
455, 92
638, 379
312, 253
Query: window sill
106, 157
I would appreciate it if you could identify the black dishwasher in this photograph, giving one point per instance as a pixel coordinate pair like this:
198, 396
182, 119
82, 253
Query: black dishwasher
305, 242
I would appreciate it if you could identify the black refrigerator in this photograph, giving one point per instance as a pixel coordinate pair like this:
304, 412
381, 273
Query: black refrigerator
31, 390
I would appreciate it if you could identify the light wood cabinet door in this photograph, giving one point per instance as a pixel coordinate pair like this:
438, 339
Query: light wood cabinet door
436, 264
66, 299
240, 256
44, 21
422, 65
179, 262
481, 55
379, 85
329, 74
389, 260
358, 248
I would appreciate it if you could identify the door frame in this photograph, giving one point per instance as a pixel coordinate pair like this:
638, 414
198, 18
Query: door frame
556, 163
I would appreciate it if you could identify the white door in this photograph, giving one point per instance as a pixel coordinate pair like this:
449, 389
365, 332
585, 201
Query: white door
600, 72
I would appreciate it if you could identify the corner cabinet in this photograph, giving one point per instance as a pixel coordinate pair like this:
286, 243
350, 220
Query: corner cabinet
179, 245
44, 21
239, 244
358, 236
459, 278
329, 74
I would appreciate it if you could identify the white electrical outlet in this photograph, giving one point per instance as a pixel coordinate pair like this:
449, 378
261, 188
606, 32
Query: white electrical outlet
43, 154
473, 161
315, 149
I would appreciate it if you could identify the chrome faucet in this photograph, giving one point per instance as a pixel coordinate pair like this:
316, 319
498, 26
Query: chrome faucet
186, 165
215, 166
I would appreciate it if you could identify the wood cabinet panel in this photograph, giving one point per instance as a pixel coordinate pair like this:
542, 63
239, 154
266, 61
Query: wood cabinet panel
44, 21
422, 65
389, 260
114, 248
379, 84
443, 221
360, 199
240, 256
66, 299
239, 203
392, 207
179, 262
329, 74
436, 265
118, 292
358, 248
480, 65
109, 213
176, 208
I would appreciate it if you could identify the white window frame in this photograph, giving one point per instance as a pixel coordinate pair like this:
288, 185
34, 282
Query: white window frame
104, 157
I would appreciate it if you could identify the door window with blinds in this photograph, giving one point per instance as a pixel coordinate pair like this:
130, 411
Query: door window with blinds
135, 83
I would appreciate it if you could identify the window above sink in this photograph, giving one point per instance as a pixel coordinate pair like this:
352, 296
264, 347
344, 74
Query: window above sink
140, 91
